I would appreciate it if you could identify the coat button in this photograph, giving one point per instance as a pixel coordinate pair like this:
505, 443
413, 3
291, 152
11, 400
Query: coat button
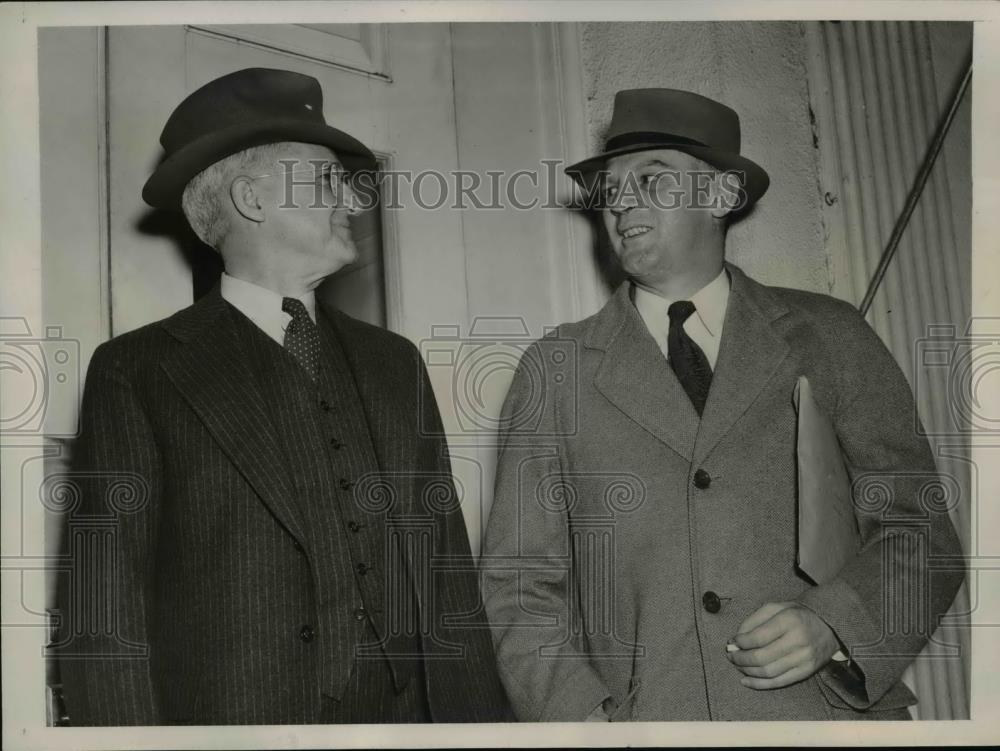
353, 526
306, 633
297, 545
711, 602
702, 479
337, 445
345, 484
360, 614
325, 405
362, 569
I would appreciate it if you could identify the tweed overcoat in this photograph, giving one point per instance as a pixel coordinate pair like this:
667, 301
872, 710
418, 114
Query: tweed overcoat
212, 571
628, 539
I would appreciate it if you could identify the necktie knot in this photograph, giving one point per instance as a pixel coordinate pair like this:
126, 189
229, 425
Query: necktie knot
295, 308
680, 311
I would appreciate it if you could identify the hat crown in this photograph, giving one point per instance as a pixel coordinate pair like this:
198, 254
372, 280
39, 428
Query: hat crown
641, 114
258, 94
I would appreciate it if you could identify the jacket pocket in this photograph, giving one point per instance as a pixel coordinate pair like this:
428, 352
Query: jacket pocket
897, 697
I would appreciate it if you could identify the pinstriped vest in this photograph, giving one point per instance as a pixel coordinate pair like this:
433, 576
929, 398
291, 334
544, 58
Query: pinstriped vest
328, 448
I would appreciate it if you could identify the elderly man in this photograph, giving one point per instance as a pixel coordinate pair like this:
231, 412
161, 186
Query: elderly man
276, 565
640, 557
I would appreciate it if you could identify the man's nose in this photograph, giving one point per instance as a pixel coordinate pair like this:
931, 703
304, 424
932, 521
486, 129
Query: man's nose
621, 204
349, 200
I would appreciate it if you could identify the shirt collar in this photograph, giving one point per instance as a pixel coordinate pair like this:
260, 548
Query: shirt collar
710, 304
250, 297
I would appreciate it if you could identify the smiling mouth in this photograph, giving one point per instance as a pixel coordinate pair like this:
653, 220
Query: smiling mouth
635, 232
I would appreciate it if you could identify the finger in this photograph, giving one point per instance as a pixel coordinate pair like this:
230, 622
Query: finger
761, 656
787, 678
795, 659
762, 614
768, 631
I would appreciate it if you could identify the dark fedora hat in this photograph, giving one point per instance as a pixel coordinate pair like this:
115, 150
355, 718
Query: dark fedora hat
645, 119
250, 107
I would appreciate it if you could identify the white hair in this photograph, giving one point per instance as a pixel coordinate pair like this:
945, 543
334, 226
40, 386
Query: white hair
205, 194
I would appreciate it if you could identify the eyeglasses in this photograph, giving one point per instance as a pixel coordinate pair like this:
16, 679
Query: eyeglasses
337, 178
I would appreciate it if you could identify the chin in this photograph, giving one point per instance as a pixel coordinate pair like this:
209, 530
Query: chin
636, 261
344, 253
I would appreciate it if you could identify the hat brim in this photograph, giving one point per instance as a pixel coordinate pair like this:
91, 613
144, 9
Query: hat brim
754, 178
165, 186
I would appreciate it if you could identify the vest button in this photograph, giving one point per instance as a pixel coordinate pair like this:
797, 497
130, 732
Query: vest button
307, 634
353, 526
337, 445
362, 569
345, 484
360, 614
297, 545
325, 405
702, 479
711, 602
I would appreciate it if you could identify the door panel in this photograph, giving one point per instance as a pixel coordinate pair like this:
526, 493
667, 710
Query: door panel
407, 119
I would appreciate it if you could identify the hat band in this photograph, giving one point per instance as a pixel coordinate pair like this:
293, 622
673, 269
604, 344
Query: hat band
637, 138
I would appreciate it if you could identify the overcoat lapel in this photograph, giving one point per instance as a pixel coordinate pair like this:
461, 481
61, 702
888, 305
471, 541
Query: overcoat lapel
635, 377
749, 355
213, 373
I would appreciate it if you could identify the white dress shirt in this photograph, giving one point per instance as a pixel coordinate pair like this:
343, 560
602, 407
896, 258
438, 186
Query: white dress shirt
704, 326
263, 306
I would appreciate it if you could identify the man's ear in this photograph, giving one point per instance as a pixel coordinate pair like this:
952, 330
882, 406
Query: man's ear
727, 194
245, 199
719, 197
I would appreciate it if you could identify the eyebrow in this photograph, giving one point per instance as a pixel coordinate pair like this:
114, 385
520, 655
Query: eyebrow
654, 162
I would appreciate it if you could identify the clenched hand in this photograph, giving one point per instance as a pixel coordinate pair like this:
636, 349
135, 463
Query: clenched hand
781, 643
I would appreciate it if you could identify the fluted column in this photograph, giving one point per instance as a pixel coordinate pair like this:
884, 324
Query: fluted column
875, 102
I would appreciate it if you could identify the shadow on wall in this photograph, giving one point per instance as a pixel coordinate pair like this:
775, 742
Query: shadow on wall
205, 263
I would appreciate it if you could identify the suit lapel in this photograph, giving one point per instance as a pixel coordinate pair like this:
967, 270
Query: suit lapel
634, 376
749, 354
212, 372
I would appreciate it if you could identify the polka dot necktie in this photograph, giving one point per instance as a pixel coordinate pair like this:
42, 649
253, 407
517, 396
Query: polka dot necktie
302, 336
686, 358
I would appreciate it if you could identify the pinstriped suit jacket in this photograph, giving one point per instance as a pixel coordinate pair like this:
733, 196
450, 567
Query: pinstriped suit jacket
206, 558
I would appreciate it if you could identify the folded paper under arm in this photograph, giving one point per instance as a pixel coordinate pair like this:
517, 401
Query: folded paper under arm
827, 529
